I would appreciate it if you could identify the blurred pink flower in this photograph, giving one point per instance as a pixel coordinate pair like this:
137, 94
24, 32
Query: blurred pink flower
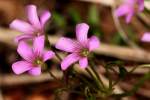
129, 8
79, 48
146, 37
33, 59
33, 28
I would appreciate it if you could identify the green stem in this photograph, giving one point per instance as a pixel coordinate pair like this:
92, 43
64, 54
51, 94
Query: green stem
110, 80
92, 74
57, 55
86, 81
96, 74
130, 72
51, 74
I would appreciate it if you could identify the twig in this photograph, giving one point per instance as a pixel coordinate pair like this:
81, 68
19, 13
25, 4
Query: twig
104, 2
11, 80
124, 53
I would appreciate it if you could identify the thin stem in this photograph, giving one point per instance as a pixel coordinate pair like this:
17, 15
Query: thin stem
51, 74
110, 80
93, 75
116, 82
121, 31
97, 75
86, 81
57, 55
132, 70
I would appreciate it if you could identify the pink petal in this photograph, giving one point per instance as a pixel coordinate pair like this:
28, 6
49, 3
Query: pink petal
83, 62
146, 37
35, 71
48, 55
82, 32
44, 17
38, 44
122, 10
25, 51
129, 16
141, 5
21, 66
70, 59
33, 16
21, 26
68, 45
93, 43
24, 37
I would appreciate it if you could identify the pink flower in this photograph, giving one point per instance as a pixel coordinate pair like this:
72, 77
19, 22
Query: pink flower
79, 49
129, 8
146, 37
33, 28
33, 59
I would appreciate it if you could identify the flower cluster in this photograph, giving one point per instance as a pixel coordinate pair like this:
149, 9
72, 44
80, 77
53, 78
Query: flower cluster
129, 8
34, 57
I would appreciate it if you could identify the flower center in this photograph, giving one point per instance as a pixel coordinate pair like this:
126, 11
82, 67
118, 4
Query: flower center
38, 62
38, 32
85, 52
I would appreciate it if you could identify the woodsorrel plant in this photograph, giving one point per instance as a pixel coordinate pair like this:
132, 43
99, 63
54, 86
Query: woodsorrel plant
89, 83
